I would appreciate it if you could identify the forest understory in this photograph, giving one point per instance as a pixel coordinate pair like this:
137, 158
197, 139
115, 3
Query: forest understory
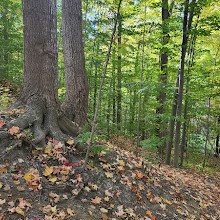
45, 183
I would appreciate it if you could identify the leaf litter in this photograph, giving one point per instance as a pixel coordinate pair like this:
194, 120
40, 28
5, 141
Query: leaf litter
45, 184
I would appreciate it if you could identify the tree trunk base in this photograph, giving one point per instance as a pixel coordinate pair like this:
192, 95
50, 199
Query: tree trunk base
43, 121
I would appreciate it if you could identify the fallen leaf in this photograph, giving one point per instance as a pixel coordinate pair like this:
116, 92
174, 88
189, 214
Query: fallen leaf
104, 216
70, 142
52, 179
103, 210
97, 200
19, 211
48, 171
70, 212
21, 189
2, 201
109, 175
65, 197
14, 130
2, 123
75, 192
7, 187
149, 213
107, 193
121, 162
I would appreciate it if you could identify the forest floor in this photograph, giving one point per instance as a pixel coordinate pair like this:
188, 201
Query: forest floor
44, 183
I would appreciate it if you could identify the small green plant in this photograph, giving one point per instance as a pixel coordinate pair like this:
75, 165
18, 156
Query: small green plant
83, 140
98, 149
152, 143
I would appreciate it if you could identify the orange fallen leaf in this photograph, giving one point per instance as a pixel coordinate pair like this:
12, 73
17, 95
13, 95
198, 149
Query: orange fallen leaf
14, 130
2, 123
97, 200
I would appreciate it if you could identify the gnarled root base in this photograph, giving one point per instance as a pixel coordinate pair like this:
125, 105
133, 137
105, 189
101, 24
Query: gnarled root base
43, 122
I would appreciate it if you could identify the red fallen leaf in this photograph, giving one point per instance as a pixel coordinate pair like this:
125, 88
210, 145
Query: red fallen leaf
67, 163
19, 169
122, 172
29, 157
56, 142
144, 178
152, 217
2, 123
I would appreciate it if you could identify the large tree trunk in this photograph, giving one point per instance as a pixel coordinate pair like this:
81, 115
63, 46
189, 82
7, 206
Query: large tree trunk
39, 92
75, 104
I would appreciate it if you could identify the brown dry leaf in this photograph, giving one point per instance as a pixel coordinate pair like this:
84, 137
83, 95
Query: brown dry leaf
70, 212
65, 197
1, 185
7, 187
48, 171
21, 189
3, 169
75, 192
103, 210
16, 182
14, 130
109, 175
70, 142
104, 216
2, 201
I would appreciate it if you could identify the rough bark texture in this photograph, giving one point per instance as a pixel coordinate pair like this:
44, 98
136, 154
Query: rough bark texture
75, 104
39, 92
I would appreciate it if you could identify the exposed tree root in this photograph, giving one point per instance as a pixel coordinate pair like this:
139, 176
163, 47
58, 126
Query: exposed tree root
43, 122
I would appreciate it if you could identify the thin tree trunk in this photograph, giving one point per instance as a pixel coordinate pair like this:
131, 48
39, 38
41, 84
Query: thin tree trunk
75, 104
217, 148
119, 94
142, 73
163, 77
100, 90
186, 27
95, 88
172, 122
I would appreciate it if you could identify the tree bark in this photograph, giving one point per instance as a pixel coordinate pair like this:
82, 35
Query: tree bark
75, 104
39, 92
